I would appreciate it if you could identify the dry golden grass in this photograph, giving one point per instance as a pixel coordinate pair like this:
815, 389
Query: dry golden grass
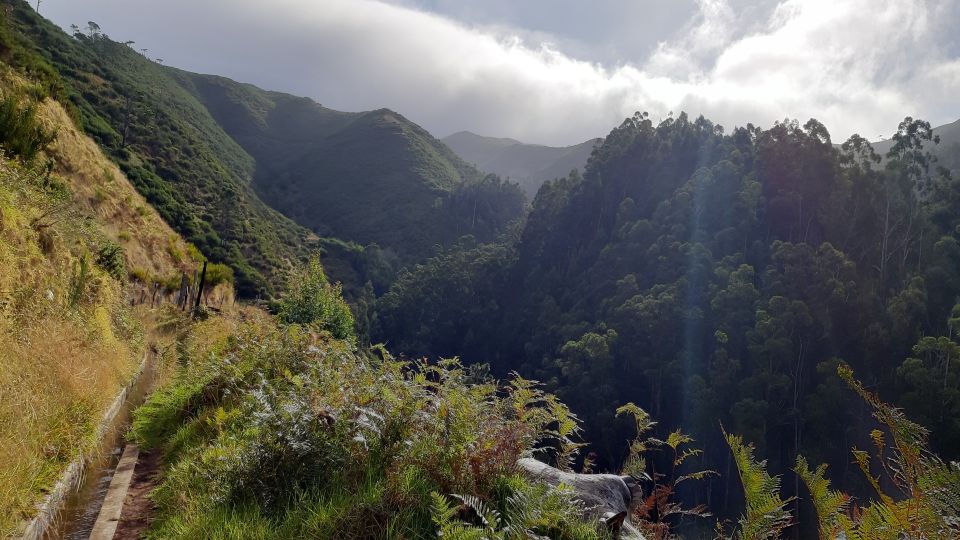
102, 190
64, 356
61, 362
64, 359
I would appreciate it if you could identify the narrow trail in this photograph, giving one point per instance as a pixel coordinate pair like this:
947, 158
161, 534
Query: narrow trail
137, 513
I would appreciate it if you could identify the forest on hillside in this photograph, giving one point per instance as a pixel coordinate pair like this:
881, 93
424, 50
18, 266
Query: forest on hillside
718, 278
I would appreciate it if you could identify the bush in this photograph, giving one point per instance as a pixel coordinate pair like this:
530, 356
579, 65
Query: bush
110, 259
20, 130
312, 300
217, 274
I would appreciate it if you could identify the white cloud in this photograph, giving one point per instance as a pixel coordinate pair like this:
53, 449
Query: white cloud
856, 65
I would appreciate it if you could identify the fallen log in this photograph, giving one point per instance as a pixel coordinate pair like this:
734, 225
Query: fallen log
606, 497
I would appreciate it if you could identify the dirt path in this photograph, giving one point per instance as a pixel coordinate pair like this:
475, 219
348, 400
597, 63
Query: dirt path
138, 510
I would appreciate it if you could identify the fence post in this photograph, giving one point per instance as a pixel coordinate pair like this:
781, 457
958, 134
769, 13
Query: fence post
203, 276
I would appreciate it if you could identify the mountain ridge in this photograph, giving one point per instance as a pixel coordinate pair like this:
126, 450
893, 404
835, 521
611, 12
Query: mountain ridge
529, 164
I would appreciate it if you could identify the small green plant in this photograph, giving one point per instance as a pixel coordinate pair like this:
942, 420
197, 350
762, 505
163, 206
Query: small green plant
312, 300
110, 258
659, 511
523, 510
99, 195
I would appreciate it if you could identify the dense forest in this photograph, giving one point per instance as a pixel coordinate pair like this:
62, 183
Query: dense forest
718, 278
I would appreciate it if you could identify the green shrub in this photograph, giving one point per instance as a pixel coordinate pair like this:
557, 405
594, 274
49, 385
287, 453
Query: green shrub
312, 300
20, 131
217, 274
110, 259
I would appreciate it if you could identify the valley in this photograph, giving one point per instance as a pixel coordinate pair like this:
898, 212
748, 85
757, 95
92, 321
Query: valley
359, 330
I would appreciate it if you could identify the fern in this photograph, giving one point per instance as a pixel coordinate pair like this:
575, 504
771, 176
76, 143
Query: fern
831, 506
926, 503
636, 463
766, 514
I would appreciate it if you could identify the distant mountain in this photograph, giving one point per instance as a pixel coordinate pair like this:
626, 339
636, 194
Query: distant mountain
530, 165
947, 152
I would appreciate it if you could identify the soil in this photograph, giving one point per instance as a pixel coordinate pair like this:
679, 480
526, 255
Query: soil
138, 510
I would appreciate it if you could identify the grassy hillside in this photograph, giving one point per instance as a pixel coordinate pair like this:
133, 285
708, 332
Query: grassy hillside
528, 164
71, 228
165, 141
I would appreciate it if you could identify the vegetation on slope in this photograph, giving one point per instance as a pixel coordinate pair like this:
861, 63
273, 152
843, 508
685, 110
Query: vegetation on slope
714, 276
71, 229
372, 177
284, 431
68, 341
164, 140
204, 149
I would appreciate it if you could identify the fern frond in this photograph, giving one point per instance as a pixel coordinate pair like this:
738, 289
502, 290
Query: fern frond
766, 514
831, 506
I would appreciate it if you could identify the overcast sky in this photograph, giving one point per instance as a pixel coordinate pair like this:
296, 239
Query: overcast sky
562, 71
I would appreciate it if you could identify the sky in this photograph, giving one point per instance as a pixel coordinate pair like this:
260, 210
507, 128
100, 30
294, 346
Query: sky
563, 71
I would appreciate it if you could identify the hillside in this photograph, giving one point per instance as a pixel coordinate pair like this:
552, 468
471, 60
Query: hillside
73, 230
207, 152
370, 177
530, 165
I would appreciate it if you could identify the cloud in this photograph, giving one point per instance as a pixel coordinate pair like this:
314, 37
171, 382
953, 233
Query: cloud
856, 65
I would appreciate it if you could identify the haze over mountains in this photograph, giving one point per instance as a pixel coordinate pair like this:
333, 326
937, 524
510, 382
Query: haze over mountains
530, 165
947, 152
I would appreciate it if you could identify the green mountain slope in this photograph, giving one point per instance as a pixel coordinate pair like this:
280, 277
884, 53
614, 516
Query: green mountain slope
528, 164
166, 142
228, 165
370, 177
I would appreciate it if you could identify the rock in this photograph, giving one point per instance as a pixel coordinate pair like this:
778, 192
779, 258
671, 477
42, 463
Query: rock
606, 497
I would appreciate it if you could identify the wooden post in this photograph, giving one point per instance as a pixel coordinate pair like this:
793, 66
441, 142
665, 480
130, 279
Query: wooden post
182, 297
203, 276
